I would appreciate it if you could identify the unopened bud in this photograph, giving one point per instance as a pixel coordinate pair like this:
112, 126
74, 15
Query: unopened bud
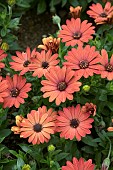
105, 164
26, 167
86, 88
11, 2
5, 46
51, 148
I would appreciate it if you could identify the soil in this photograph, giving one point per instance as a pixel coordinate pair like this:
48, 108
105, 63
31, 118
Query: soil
34, 27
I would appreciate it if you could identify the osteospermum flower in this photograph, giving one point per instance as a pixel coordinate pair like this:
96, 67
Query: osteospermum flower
3, 89
50, 43
60, 84
72, 123
89, 108
17, 91
79, 165
106, 65
2, 56
99, 13
22, 60
43, 62
83, 60
75, 12
16, 129
76, 32
38, 125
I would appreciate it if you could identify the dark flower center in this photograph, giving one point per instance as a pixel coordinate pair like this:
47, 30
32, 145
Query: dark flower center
37, 127
45, 64
109, 67
77, 35
14, 92
62, 86
103, 15
84, 64
74, 123
26, 63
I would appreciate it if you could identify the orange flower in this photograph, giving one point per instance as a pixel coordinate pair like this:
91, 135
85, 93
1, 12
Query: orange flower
75, 12
79, 165
3, 89
50, 43
60, 84
76, 32
43, 62
22, 60
72, 123
83, 60
106, 66
17, 91
2, 56
99, 13
16, 129
110, 129
89, 108
38, 125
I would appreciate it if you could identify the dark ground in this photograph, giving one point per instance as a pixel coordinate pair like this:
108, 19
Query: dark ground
34, 27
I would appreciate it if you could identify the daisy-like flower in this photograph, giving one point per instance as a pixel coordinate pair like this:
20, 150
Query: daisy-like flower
17, 91
38, 125
43, 62
89, 108
79, 165
75, 12
72, 123
16, 129
76, 32
22, 60
99, 13
83, 60
3, 89
2, 56
60, 84
50, 43
106, 65
110, 129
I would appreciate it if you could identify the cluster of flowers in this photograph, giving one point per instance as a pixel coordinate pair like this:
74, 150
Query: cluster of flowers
60, 83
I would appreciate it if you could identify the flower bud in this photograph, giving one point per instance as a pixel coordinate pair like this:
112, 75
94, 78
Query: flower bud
56, 19
105, 164
26, 167
51, 163
86, 88
11, 2
51, 148
5, 46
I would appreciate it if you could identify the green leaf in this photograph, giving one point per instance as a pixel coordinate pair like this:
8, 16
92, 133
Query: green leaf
3, 32
61, 156
74, 3
41, 7
64, 2
20, 163
89, 141
25, 148
14, 23
110, 105
4, 133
